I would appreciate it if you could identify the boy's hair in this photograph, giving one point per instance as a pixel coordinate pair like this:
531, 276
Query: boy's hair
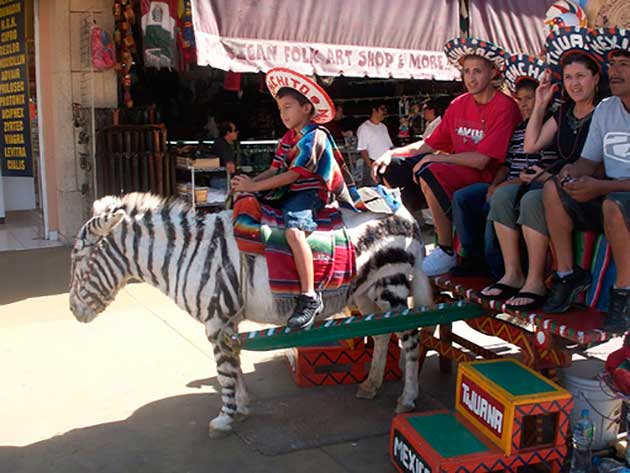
289, 92
526, 83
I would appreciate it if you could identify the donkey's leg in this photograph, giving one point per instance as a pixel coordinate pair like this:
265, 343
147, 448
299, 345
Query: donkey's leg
409, 341
242, 397
228, 369
369, 387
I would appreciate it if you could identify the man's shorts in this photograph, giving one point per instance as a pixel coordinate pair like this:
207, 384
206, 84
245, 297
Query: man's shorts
445, 178
589, 216
300, 208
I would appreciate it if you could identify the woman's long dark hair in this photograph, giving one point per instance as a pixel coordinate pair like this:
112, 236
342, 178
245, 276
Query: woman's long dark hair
601, 89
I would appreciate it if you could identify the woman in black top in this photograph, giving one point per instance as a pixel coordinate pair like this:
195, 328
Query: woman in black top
564, 134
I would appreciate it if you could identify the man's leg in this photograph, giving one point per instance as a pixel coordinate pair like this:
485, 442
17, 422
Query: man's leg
616, 208
562, 215
469, 218
560, 226
441, 221
618, 236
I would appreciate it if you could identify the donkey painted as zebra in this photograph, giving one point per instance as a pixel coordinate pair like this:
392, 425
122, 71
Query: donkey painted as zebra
195, 261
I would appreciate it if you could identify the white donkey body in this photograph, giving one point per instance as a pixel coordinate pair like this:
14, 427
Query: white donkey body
196, 262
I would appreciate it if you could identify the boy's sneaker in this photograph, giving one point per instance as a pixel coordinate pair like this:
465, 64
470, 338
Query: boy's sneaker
565, 290
438, 262
306, 309
471, 266
618, 317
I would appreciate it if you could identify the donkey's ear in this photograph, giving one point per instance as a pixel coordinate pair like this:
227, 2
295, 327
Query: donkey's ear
101, 225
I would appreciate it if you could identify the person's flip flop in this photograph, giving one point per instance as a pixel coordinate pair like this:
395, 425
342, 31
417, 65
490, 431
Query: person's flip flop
506, 292
537, 301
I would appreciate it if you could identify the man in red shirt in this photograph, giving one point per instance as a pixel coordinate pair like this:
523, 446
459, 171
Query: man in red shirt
468, 146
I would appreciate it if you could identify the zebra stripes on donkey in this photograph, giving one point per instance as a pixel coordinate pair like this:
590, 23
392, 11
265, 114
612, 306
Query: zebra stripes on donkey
195, 261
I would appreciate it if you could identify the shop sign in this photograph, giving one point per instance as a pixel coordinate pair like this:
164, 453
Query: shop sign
482, 405
243, 55
15, 133
406, 457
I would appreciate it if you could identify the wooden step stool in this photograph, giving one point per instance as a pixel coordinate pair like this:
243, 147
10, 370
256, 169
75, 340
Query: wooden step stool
506, 416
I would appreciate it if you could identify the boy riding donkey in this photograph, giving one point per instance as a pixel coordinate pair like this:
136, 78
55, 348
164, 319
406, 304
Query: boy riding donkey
307, 173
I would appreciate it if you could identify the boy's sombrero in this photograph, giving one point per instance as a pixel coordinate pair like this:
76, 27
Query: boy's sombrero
280, 77
522, 66
607, 41
565, 40
459, 48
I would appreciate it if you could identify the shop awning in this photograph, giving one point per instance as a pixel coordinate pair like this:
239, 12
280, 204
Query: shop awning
516, 25
374, 38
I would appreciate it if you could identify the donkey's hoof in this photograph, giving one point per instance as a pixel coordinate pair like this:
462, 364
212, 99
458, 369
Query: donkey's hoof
220, 426
404, 407
366, 391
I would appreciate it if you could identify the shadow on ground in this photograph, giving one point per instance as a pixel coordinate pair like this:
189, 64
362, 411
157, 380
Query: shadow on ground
303, 430
33, 273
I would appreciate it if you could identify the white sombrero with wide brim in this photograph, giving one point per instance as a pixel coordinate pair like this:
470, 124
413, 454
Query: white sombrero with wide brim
280, 77
459, 48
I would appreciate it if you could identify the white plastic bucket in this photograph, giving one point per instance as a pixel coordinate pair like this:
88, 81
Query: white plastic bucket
581, 380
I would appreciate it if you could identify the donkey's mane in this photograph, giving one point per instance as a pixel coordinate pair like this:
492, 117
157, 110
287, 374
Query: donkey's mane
138, 204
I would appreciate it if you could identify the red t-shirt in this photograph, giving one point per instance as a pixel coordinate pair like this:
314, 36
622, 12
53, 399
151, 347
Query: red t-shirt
471, 127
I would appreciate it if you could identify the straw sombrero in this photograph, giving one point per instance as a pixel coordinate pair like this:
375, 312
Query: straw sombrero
459, 48
280, 77
522, 66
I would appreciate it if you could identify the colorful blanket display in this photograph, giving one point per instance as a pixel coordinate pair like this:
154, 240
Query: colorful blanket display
259, 229
159, 19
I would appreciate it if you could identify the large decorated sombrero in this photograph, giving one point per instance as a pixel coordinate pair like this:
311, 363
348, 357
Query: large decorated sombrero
280, 77
607, 41
565, 13
565, 40
459, 48
522, 66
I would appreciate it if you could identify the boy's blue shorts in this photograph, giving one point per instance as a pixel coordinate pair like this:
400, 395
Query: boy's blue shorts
300, 208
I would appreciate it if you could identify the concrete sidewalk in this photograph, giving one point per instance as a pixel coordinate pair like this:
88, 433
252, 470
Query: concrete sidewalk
134, 390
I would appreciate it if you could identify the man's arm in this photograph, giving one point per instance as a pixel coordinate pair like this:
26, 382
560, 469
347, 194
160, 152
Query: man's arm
582, 167
412, 149
470, 159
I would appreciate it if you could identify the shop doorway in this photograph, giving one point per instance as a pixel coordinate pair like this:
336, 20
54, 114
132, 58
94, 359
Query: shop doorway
21, 217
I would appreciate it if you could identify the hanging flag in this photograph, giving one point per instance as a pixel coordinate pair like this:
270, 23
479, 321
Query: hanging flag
158, 29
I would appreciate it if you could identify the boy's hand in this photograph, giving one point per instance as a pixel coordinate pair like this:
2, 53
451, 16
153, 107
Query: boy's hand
243, 184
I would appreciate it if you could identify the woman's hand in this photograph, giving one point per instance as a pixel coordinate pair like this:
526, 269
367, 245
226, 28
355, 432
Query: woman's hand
545, 90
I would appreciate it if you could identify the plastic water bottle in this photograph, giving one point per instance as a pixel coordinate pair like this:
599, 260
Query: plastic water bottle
582, 441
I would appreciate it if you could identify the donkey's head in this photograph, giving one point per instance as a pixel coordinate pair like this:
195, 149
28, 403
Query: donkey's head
98, 270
